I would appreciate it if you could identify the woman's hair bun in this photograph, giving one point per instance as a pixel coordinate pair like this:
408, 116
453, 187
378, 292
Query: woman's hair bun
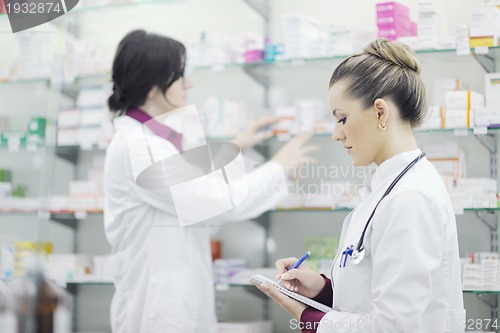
394, 52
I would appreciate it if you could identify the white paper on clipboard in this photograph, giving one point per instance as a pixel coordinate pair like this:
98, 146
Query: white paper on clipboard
317, 305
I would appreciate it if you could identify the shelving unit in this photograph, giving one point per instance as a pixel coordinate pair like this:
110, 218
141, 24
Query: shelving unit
263, 74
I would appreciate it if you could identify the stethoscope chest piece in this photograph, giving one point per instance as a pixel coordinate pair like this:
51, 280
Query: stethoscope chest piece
357, 256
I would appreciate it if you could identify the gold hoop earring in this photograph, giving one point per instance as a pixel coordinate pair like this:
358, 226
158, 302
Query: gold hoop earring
382, 127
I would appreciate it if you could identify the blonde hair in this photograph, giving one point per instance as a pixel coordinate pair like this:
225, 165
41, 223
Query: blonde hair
385, 70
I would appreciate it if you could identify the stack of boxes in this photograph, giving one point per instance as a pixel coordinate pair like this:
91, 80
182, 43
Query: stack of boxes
36, 56
341, 40
432, 27
71, 267
85, 196
454, 106
306, 115
88, 124
31, 139
490, 115
345, 41
88, 195
460, 108
222, 117
473, 193
303, 37
481, 271
68, 267
224, 269
449, 160
25, 250
484, 25
393, 21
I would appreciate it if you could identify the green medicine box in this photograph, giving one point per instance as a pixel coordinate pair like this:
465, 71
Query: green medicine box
13, 140
36, 127
5, 176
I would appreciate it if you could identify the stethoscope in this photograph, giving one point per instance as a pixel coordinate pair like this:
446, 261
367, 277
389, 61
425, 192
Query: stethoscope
358, 254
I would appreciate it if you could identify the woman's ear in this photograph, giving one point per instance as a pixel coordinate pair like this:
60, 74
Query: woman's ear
382, 109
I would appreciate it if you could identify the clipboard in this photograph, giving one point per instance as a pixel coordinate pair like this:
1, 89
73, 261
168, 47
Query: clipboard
317, 305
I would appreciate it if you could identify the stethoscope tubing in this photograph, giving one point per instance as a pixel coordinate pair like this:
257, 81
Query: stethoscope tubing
359, 247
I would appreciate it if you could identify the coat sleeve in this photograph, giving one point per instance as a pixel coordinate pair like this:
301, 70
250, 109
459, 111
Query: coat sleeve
257, 191
407, 245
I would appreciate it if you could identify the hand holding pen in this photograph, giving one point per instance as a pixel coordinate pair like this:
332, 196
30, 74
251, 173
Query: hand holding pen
297, 264
302, 280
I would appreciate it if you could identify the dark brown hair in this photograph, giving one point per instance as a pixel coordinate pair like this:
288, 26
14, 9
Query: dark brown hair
144, 60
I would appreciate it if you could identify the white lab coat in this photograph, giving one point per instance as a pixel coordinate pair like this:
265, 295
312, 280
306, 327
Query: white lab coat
163, 272
409, 280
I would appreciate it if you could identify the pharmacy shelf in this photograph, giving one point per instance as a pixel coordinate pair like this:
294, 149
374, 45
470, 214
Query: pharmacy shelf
90, 283
71, 153
76, 216
258, 67
326, 209
315, 209
456, 131
481, 291
45, 81
79, 10
70, 219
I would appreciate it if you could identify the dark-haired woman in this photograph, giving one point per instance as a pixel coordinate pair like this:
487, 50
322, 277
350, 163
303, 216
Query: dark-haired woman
397, 268
162, 271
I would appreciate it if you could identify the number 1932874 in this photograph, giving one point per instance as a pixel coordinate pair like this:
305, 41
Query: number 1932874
33, 8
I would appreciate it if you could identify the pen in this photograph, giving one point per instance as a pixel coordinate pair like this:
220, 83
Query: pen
297, 264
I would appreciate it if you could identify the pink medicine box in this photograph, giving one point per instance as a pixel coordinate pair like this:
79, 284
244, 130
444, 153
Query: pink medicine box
393, 9
397, 23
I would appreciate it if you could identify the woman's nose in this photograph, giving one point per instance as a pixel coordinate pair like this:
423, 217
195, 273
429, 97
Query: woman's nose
337, 134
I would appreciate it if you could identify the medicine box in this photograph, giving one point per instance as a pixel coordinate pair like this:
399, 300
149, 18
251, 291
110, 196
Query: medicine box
13, 140
464, 99
429, 30
67, 137
489, 116
393, 34
68, 118
427, 43
393, 9
36, 126
394, 22
492, 90
446, 43
92, 116
83, 187
484, 25
490, 2
458, 118
477, 185
411, 41
428, 7
431, 19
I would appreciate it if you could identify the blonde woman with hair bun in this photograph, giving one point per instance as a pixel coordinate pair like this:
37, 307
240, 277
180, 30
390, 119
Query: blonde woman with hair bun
397, 268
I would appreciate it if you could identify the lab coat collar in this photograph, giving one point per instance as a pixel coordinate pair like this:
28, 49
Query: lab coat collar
391, 167
156, 127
